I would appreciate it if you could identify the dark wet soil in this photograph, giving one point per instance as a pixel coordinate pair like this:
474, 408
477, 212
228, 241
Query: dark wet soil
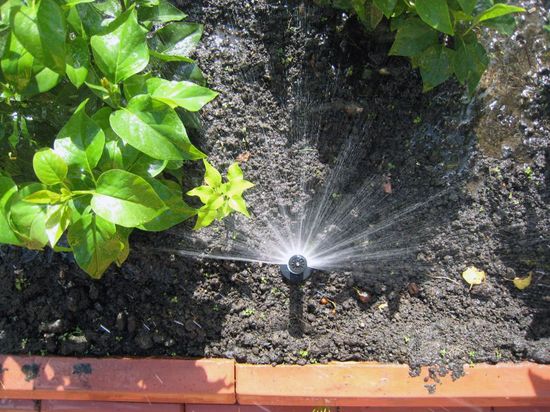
283, 69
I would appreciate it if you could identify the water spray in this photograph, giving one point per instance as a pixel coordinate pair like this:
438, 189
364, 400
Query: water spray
296, 270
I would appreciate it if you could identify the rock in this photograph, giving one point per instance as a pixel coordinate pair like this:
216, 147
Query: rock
57, 326
120, 323
144, 341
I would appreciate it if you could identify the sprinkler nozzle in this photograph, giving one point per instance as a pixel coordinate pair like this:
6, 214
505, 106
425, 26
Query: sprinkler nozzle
296, 270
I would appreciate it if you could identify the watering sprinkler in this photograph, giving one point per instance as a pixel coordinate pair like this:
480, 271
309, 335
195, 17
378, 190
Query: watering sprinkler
296, 270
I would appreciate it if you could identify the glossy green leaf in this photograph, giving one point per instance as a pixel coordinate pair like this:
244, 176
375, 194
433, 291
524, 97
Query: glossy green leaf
78, 61
435, 66
17, 64
95, 244
125, 199
386, 6
40, 28
238, 204
155, 129
58, 218
42, 82
467, 5
498, 10
204, 193
49, 167
121, 51
72, 3
211, 176
469, 63
123, 234
183, 94
436, 14
8, 188
234, 172
28, 220
44, 197
95, 17
80, 142
177, 212
163, 13
205, 217
413, 37
237, 187
136, 85
176, 39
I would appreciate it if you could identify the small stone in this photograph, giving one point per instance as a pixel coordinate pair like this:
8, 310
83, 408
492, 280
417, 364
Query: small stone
57, 326
144, 341
120, 323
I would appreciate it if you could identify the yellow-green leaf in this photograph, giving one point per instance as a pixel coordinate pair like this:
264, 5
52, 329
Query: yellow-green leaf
473, 276
522, 283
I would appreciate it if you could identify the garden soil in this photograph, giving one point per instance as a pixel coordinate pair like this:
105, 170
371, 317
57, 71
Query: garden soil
285, 70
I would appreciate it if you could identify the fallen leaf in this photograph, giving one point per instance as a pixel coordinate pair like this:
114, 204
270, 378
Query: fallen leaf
387, 187
522, 283
243, 157
382, 306
473, 276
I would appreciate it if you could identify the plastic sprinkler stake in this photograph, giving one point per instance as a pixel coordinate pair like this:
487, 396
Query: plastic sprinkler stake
296, 270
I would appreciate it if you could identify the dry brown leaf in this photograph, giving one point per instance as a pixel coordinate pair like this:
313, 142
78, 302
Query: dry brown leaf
243, 157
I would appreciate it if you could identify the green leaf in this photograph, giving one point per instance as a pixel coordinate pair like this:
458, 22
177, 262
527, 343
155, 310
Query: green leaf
136, 85
467, 5
435, 13
177, 211
41, 30
237, 187
7, 189
28, 219
412, 38
176, 39
121, 51
42, 82
155, 129
469, 63
44, 197
211, 176
58, 218
204, 193
80, 142
497, 10
163, 13
183, 94
368, 13
17, 64
123, 233
94, 18
95, 244
49, 167
387, 6
72, 3
205, 217
435, 66
78, 61
125, 199
234, 172
139, 163
238, 204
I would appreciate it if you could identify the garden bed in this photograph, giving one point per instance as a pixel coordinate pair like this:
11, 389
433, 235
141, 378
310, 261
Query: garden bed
285, 70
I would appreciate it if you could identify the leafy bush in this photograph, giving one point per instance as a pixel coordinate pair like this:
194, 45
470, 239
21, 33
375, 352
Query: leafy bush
114, 164
439, 36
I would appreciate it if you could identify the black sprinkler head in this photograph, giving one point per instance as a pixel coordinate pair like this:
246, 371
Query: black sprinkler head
296, 270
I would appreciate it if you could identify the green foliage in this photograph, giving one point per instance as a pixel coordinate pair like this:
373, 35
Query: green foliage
92, 136
439, 36
219, 198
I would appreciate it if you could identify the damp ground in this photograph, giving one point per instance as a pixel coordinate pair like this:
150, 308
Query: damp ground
296, 81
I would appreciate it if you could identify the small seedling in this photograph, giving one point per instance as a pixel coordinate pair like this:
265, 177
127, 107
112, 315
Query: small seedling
443, 353
304, 353
472, 358
248, 312
528, 171
406, 339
